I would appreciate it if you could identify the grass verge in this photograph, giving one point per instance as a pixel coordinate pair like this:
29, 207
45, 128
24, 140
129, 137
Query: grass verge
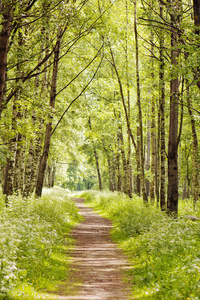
34, 244
164, 252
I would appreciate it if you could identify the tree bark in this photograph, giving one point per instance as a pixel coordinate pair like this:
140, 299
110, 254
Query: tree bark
28, 170
195, 151
162, 121
96, 158
145, 199
45, 153
196, 9
153, 149
118, 162
6, 26
110, 171
172, 196
19, 163
37, 154
148, 154
10, 162
126, 170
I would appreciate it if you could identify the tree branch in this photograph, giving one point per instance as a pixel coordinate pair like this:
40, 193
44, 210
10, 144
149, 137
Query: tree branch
80, 71
77, 97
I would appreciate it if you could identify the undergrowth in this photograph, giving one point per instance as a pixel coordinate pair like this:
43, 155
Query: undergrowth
33, 244
164, 252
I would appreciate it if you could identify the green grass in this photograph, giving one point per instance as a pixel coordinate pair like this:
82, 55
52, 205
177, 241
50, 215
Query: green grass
164, 252
34, 244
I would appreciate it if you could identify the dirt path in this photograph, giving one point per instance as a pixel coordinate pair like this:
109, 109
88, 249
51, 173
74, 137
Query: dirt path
97, 262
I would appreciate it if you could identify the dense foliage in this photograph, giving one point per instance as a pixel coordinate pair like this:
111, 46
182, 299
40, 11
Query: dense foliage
100, 94
164, 252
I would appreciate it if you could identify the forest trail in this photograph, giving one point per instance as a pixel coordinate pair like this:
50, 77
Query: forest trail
97, 263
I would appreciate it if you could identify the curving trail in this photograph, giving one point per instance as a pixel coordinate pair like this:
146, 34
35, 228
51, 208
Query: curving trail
97, 262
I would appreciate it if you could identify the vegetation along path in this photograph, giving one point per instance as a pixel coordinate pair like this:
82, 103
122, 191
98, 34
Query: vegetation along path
98, 265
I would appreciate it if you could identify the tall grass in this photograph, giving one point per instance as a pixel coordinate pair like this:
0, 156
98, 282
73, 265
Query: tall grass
164, 252
33, 243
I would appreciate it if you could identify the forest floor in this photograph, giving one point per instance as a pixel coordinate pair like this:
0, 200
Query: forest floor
98, 265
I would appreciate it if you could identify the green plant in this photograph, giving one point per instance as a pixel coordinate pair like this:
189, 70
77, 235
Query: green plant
33, 242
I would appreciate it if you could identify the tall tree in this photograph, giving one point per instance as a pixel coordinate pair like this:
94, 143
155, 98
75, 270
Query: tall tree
7, 16
96, 158
140, 127
162, 116
45, 153
172, 192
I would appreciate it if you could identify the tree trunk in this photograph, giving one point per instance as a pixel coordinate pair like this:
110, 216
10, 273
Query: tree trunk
196, 9
153, 125
162, 121
138, 162
126, 170
96, 158
19, 163
37, 154
172, 197
111, 186
10, 163
153, 151
9, 170
6, 26
98, 169
195, 151
118, 162
148, 154
44, 157
142, 177
28, 170
53, 174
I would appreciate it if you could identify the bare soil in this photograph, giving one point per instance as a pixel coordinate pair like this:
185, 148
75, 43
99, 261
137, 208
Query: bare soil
98, 265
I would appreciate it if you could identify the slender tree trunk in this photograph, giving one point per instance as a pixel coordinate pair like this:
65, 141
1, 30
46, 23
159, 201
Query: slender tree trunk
126, 177
9, 170
153, 150
162, 121
157, 167
138, 162
195, 150
10, 163
98, 169
21, 139
19, 163
96, 158
128, 167
153, 124
28, 169
37, 154
111, 183
123, 100
145, 199
148, 155
196, 9
44, 157
6, 26
172, 197
119, 176
53, 174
